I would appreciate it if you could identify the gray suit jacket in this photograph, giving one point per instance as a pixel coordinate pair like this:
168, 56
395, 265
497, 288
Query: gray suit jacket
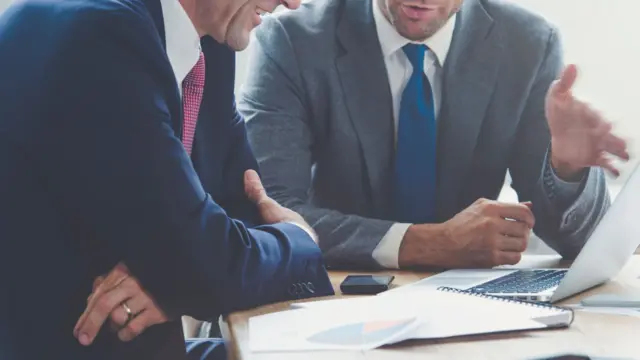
319, 116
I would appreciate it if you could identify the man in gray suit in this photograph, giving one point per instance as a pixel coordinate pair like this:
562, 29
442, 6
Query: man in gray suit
394, 167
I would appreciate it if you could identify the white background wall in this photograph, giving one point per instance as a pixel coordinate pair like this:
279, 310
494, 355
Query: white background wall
599, 37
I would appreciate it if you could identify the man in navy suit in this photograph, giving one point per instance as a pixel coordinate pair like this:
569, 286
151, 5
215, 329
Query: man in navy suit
121, 153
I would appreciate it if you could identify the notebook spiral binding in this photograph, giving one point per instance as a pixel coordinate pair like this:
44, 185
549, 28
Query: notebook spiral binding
507, 300
503, 299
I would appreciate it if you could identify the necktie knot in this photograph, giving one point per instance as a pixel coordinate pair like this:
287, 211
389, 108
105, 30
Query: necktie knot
415, 54
196, 75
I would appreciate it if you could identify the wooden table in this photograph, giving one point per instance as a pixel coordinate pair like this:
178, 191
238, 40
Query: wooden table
591, 334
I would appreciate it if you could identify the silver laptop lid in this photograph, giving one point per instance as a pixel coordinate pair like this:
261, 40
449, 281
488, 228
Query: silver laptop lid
610, 246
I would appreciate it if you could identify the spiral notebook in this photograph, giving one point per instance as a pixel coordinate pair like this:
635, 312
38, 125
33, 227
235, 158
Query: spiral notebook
504, 315
416, 314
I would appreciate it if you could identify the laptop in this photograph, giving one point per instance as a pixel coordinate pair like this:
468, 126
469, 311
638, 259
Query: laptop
609, 247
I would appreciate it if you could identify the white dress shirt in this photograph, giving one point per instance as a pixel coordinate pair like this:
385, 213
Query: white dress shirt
399, 70
183, 41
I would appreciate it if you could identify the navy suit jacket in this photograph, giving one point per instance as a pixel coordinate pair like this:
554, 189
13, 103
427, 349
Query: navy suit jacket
92, 172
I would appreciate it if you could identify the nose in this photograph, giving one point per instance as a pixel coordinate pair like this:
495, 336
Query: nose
291, 4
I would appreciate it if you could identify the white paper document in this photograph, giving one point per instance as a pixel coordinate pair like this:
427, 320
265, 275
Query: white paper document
370, 322
328, 328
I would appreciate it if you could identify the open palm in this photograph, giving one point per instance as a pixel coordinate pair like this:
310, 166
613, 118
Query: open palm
580, 136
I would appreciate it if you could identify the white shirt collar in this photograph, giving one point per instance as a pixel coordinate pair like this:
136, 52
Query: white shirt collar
391, 41
183, 42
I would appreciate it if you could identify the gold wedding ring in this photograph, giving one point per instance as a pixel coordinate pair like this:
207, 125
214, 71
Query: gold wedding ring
128, 311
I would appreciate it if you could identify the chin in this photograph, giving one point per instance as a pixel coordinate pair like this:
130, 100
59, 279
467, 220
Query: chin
238, 43
237, 46
418, 32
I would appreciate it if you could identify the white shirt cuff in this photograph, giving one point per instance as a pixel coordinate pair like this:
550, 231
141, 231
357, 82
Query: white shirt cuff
309, 231
388, 250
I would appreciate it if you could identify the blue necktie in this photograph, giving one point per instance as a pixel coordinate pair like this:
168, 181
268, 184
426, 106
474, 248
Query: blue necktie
415, 162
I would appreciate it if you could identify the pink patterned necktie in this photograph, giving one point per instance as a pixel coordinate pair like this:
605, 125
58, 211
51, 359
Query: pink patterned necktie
192, 90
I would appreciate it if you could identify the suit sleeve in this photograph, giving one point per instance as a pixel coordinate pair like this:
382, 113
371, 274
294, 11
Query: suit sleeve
279, 127
565, 215
136, 187
239, 160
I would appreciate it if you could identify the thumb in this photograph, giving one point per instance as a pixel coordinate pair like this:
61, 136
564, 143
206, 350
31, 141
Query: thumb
568, 78
253, 187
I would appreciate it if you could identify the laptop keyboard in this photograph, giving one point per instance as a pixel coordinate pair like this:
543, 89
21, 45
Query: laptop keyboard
522, 282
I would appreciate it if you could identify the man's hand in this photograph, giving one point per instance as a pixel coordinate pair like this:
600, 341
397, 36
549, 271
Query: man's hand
486, 234
580, 136
119, 298
270, 211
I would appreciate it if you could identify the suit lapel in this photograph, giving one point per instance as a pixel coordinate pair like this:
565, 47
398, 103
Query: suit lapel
368, 98
470, 74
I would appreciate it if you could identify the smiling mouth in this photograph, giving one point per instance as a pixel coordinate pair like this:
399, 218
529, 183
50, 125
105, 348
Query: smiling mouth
418, 7
418, 12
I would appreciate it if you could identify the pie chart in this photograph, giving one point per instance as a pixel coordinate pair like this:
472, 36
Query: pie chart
361, 333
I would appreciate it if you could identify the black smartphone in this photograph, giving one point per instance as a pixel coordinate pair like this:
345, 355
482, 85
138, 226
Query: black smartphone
365, 284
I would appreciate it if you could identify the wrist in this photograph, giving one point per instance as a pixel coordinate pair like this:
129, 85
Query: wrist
417, 247
566, 171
